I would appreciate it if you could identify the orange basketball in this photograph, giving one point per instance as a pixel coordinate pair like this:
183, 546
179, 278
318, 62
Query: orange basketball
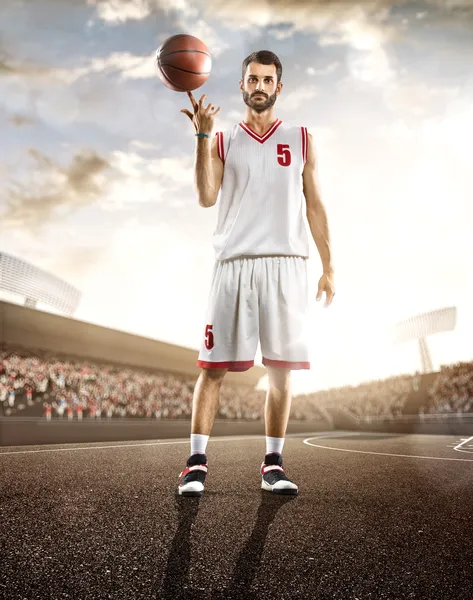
183, 63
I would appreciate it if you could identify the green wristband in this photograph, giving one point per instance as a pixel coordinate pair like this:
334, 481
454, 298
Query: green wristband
202, 135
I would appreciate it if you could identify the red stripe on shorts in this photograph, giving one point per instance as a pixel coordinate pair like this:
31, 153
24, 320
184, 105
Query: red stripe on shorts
241, 365
282, 364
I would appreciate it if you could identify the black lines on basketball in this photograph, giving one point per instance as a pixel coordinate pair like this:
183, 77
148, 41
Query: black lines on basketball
183, 70
170, 40
172, 82
189, 51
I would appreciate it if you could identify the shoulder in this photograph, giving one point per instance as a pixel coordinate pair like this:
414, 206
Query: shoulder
228, 130
294, 127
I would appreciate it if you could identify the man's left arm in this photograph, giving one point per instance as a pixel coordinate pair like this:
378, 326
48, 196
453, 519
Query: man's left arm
318, 223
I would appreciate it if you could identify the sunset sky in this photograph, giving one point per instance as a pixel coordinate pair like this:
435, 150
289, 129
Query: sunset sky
96, 162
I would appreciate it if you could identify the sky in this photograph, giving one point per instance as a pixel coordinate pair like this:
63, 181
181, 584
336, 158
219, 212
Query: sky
96, 162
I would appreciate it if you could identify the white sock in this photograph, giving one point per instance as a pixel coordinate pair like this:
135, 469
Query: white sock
198, 443
274, 444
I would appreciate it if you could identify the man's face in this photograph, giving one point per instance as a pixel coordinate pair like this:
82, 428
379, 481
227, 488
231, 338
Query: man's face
260, 88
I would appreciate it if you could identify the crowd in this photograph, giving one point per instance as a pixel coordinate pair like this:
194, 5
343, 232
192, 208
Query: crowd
375, 398
77, 389
66, 388
452, 390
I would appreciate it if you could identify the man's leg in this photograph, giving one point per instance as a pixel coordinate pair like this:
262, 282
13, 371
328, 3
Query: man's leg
205, 405
278, 402
206, 400
276, 414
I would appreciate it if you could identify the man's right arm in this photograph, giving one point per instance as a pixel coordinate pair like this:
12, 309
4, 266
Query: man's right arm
208, 171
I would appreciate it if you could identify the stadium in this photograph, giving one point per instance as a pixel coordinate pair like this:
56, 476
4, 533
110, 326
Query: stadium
96, 421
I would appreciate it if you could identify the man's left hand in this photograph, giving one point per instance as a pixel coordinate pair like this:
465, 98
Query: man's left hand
326, 285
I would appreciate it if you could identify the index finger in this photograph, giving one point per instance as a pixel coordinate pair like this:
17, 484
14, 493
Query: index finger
192, 99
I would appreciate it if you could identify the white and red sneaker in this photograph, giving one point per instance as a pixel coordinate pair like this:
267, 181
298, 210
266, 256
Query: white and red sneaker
273, 477
193, 476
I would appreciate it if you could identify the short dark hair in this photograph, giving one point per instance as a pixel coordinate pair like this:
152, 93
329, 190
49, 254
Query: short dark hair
263, 57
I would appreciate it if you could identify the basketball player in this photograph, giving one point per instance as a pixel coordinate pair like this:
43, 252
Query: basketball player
262, 169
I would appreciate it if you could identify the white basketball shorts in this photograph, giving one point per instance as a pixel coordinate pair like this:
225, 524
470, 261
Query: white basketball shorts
257, 298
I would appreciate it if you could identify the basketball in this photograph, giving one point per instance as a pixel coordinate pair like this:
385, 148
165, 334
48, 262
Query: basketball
183, 63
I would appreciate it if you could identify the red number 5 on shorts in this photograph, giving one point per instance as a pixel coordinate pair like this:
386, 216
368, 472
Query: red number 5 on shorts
209, 337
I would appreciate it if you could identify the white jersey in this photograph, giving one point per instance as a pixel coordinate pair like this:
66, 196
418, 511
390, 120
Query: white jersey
261, 200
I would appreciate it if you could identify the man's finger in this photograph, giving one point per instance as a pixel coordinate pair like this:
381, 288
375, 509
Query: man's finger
216, 112
201, 101
192, 99
329, 298
189, 114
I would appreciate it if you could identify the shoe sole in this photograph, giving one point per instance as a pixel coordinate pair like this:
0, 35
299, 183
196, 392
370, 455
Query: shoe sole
280, 491
190, 494
189, 489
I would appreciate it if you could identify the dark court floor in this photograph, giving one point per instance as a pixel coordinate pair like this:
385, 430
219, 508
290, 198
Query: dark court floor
377, 517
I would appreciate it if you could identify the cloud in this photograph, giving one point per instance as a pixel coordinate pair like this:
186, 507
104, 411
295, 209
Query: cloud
373, 66
128, 65
116, 12
120, 11
54, 191
202, 30
5, 67
72, 264
120, 181
61, 96
297, 98
168, 179
360, 24
413, 98
20, 120
327, 70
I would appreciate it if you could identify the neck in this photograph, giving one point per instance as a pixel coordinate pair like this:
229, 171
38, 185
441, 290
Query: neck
259, 121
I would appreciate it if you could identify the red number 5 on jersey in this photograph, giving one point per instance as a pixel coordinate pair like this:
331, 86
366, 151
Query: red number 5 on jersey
284, 155
209, 337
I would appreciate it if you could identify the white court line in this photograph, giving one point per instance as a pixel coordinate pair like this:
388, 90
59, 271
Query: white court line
306, 441
465, 441
187, 441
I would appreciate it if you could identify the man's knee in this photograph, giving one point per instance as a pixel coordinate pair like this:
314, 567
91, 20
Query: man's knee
215, 375
279, 378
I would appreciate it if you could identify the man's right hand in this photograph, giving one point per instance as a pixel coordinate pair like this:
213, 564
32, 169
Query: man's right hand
203, 119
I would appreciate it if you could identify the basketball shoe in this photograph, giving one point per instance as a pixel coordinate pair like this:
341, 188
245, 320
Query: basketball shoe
273, 477
193, 476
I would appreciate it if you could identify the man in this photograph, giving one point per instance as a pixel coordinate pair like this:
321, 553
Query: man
262, 169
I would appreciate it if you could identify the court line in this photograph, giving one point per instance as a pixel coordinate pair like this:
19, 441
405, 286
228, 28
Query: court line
465, 441
187, 441
306, 441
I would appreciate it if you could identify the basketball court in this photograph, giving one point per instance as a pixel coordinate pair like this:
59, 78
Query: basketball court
377, 516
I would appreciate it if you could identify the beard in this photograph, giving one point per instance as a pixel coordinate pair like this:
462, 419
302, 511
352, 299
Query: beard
259, 105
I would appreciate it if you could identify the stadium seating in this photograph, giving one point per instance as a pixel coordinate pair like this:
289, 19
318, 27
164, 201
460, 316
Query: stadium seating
33, 382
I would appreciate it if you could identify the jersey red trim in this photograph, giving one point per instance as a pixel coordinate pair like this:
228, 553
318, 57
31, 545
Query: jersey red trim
239, 365
220, 146
282, 364
261, 138
305, 144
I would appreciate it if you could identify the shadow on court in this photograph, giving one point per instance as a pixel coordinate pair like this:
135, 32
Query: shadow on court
175, 583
